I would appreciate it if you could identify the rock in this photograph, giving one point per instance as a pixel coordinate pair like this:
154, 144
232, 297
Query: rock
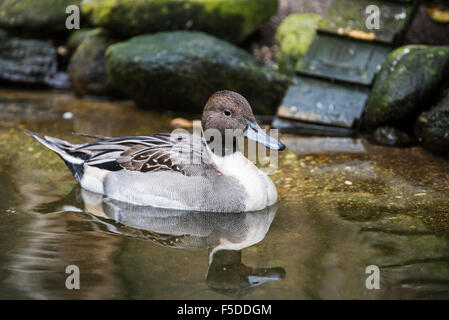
294, 36
233, 20
87, 68
76, 38
180, 70
30, 61
432, 128
389, 136
33, 17
409, 77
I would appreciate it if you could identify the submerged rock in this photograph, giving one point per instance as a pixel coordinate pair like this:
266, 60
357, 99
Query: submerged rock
294, 36
389, 136
409, 77
30, 61
180, 70
35, 17
87, 68
233, 20
432, 128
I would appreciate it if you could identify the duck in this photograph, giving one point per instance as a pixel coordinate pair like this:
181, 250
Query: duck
178, 170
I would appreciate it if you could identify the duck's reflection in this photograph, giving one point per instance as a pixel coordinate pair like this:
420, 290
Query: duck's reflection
224, 234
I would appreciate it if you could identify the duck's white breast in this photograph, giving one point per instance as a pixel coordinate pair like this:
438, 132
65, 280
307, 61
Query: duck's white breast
261, 191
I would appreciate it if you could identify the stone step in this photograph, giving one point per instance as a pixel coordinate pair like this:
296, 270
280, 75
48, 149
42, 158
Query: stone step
322, 102
343, 59
348, 18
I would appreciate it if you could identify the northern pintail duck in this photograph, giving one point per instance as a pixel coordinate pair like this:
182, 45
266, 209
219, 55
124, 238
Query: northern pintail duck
163, 170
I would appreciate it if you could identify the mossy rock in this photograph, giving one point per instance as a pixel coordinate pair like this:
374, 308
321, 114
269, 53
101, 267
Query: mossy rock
87, 68
29, 61
76, 38
432, 128
294, 36
409, 77
180, 70
233, 20
35, 17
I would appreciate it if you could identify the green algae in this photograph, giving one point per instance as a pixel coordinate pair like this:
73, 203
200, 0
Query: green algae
31, 16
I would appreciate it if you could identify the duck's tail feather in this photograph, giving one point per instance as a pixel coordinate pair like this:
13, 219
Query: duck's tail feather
62, 148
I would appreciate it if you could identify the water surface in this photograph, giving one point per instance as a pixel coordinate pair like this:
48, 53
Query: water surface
344, 205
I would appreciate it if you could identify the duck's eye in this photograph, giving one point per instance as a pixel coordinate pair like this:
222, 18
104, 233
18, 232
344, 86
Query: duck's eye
227, 113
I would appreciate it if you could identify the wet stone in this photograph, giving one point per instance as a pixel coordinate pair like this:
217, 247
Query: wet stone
321, 102
348, 18
309, 129
343, 59
389, 136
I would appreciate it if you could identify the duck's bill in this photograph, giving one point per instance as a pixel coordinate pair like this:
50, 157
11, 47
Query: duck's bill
256, 133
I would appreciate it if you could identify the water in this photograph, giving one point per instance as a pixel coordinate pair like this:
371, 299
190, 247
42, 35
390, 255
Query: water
344, 205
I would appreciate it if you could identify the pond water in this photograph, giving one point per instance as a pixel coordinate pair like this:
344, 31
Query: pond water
344, 205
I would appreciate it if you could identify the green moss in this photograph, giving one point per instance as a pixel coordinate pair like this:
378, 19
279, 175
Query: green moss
33, 16
232, 20
294, 36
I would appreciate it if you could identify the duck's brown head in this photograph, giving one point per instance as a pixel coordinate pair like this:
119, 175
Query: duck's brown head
230, 110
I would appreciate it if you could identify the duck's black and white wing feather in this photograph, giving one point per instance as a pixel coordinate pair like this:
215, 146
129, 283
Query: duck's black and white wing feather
182, 153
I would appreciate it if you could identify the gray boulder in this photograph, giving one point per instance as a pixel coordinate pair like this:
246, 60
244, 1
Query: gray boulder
409, 77
180, 70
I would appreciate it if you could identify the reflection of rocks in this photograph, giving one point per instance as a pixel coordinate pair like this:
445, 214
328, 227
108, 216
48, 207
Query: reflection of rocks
30, 61
50, 241
413, 261
232, 20
180, 70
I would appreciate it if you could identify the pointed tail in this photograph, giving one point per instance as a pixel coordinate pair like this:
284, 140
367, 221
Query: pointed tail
63, 149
